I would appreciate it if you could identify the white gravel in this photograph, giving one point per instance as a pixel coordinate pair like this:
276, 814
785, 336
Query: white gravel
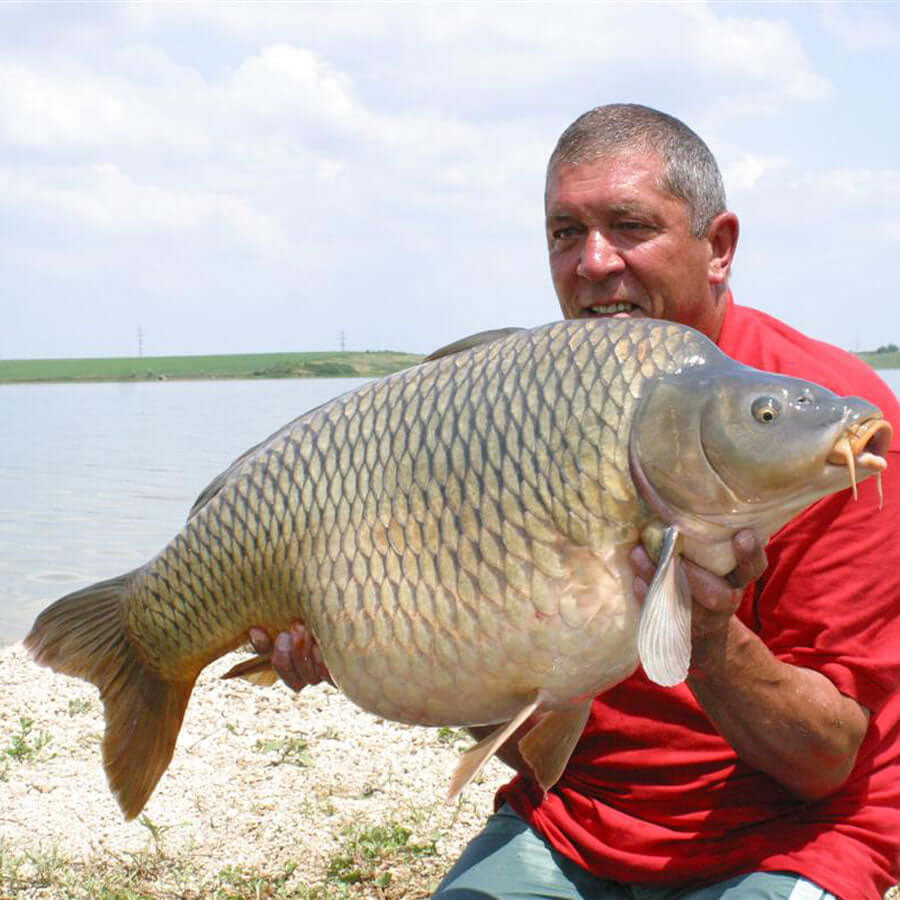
228, 799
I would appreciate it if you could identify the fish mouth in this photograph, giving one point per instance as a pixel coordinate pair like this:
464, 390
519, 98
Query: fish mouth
863, 446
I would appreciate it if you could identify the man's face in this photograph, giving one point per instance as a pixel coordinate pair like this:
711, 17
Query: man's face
620, 246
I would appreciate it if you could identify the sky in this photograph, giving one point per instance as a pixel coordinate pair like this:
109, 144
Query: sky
191, 178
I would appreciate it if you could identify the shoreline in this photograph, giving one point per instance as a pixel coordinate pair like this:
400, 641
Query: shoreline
212, 367
246, 367
268, 794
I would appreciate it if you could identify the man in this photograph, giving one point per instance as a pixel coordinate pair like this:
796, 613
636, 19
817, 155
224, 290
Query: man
773, 772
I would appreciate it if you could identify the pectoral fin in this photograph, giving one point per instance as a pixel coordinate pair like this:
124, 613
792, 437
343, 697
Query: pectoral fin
257, 670
474, 759
548, 746
664, 634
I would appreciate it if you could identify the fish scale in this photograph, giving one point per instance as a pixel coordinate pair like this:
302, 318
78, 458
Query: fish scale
455, 537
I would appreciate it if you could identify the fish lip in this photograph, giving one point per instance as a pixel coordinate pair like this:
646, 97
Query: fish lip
862, 446
867, 442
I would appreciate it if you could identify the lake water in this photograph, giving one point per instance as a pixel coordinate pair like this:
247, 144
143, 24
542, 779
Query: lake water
96, 478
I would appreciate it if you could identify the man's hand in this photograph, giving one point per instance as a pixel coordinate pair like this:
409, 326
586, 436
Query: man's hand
296, 657
716, 598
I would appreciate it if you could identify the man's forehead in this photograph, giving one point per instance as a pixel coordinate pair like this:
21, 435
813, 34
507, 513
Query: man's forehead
624, 181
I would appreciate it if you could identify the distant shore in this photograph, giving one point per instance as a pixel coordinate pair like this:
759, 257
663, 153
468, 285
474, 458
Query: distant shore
880, 360
349, 364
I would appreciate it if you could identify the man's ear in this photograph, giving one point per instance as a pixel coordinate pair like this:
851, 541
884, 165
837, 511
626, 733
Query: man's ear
722, 235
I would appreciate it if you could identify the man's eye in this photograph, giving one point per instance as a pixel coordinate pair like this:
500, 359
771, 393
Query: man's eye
631, 225
563, 234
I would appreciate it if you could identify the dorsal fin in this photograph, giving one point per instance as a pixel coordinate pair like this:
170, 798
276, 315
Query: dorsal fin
473, 340
219, 481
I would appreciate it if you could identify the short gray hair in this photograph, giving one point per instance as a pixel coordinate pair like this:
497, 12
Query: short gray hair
691, 174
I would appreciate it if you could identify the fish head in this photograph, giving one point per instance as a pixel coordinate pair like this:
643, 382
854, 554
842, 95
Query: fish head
723, 447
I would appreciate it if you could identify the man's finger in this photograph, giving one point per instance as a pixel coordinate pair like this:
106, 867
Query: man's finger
642, 564
260, 640
283, 662
750, 556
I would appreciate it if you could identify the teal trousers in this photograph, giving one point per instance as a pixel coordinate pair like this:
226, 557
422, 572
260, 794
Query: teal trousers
508, 860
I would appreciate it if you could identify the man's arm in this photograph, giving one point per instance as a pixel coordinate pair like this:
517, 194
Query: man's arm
790, 722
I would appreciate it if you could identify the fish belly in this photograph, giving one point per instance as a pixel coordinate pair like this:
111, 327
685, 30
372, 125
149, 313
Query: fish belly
466, 653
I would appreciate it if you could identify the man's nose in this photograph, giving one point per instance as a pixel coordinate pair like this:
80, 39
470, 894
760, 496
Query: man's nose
599, 257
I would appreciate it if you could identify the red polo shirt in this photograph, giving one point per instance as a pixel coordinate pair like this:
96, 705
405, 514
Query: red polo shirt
654, 794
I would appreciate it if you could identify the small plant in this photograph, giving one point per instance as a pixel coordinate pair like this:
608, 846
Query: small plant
289, 750
46, 865
370, 854
156, 832
238, 883
79, 706
23, 745
10, 863
452, 735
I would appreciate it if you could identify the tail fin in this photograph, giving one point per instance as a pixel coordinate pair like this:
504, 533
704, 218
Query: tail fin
84, 635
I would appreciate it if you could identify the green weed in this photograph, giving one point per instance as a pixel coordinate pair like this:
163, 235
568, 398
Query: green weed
451, 735
369, 855
289, 750
157, 832
24, 745
237, 883
79, 706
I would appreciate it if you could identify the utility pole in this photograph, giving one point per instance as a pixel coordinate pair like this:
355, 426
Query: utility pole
140, 341
343, 341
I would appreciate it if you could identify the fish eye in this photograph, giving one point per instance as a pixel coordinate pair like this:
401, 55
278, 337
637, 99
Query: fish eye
765, 409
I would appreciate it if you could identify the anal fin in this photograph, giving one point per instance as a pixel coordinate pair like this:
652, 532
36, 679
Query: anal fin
548, 746
257, 670
475, 758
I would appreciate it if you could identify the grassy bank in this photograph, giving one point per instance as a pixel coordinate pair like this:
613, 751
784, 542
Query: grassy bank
367, 364
881, 360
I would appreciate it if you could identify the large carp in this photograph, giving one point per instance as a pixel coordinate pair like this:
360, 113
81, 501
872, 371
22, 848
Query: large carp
456, 537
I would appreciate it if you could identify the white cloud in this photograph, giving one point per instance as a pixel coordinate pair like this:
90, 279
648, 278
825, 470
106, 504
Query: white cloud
371, 162
102, 197
859, 187
506, 56
61, 106
284, 82
745, 172
862, 26
764, 54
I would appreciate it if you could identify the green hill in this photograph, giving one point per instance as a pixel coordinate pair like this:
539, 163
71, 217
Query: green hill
366, 364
